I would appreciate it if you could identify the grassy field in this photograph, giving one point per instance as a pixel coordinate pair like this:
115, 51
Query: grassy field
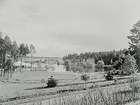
73, 97
22, 84
24, 80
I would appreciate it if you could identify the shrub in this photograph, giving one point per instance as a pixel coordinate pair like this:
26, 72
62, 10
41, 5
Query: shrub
83, 66
90, 63
85, 77
52, 82
99, 66
108, 76
75, 67
115, 72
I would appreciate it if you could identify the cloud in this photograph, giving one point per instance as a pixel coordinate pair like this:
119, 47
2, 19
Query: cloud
60, 27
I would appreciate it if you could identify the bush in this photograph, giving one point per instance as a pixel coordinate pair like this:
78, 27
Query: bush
52, 82
85, 77
115, 72
75, 67
83, 66
99, 66
90, 63
108, 76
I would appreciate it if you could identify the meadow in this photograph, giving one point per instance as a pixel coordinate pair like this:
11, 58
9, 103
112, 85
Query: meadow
29, 79
27, 89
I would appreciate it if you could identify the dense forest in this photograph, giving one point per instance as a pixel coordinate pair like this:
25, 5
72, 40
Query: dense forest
77, 62
108, 57
90, 61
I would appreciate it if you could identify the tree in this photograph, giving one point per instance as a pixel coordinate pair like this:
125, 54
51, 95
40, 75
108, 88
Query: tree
99, 66
52, 82
129, 66
85, 78
8, 46
118, 63
90, 63
134, 44
8, 52
22, 53
7, 66
108, 57
68, 65
14, 55
32, 51
7, 39
15, 50
27, 49
2, 51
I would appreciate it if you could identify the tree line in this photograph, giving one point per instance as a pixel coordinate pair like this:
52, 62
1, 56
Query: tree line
88, 61
10, 53
115, 58
108, 57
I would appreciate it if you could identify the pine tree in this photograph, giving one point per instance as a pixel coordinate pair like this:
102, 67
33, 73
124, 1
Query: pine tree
22, 53
135, 42
129, 66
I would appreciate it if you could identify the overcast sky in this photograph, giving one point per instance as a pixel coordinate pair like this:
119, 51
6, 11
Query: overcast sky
59, 27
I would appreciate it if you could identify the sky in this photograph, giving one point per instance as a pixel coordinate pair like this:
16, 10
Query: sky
60, 27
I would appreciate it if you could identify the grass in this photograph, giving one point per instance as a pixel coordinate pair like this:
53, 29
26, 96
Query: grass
68, 93
110, 96
64, 92
25, 80
99, 96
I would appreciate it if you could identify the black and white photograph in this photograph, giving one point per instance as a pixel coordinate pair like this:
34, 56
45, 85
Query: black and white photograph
69, 52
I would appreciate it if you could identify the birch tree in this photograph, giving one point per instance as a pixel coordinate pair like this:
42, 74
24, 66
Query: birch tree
32, 52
